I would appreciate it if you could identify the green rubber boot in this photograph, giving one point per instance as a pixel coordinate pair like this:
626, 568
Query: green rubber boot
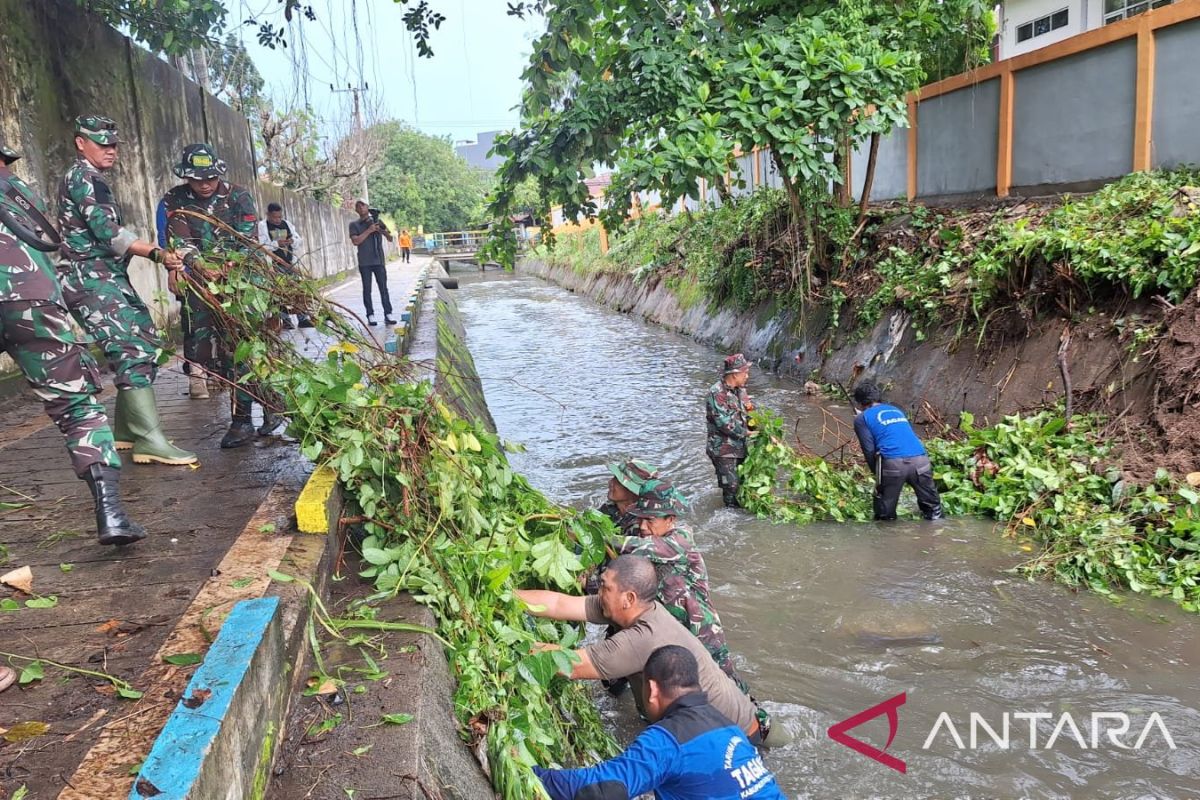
122, 436
150, 445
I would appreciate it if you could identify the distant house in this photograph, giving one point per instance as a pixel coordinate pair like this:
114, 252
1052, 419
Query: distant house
476, 153
1031, 24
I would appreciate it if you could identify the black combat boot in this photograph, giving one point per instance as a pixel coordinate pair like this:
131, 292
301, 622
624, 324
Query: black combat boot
240, 433
113, 525
271, 424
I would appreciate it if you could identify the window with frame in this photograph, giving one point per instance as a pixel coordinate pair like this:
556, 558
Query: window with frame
1043, 25
1117, 10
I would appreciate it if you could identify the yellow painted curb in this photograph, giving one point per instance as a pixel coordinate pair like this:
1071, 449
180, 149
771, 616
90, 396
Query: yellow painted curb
312, 506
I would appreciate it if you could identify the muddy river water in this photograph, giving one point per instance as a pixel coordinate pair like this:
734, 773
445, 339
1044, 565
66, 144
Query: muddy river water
829, 620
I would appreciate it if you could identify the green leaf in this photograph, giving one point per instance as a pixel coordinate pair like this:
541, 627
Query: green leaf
128, 692
279, 577
183, 659
8, 604
33, 672
42, 602
554, 561
397, 719
267, 528
66, 567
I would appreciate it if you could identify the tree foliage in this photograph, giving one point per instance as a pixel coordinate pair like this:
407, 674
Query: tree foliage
234, 77
165, 26
667, 93
421, 181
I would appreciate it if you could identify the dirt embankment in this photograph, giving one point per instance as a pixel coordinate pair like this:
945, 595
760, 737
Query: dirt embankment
1150, 389
1174, 413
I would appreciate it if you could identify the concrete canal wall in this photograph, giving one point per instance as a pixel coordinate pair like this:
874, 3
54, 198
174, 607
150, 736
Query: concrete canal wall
1004, 373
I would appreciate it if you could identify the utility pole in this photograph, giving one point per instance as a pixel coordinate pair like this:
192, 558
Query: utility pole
359, 131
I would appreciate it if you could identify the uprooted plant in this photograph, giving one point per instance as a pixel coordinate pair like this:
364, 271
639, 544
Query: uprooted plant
446, 517
1045, 480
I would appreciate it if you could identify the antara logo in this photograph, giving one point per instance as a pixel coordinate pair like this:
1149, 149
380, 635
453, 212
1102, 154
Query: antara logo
1106, 728
890, 707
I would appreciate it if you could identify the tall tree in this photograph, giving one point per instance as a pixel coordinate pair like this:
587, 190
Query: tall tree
666, 92
421, 181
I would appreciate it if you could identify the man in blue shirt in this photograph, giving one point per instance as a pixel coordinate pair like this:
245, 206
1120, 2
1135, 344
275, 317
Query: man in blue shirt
692, 752
894, 454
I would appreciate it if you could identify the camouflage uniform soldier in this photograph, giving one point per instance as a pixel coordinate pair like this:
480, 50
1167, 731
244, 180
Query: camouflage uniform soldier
683, 581
682, 574
98, 293
206, 343
35, 331
728, 413
624, 486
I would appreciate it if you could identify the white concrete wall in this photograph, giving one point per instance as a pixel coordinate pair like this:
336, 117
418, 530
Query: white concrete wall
1083, 16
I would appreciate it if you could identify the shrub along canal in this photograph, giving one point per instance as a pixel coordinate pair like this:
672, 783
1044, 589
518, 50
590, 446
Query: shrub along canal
828, 620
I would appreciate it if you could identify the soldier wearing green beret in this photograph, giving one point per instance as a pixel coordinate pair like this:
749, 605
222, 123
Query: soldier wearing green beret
99, 294
35, 331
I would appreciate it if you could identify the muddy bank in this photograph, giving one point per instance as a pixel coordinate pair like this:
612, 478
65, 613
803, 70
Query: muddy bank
1012, 367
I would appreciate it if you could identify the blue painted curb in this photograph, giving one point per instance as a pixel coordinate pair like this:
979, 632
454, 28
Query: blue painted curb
185, 741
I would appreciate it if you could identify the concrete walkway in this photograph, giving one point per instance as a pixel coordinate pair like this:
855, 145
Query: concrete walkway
215, 530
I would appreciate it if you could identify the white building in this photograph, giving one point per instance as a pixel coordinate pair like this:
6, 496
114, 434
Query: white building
1031, 24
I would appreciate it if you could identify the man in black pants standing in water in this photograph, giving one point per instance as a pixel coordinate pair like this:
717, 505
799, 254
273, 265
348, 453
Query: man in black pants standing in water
894, 454
367, 235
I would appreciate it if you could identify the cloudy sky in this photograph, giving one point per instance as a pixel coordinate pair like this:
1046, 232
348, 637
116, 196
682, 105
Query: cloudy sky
471, 84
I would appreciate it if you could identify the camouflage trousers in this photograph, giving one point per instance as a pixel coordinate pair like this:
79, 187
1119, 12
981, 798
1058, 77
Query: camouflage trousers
208, 344
38, 336
99, 295
727, 477
704, 627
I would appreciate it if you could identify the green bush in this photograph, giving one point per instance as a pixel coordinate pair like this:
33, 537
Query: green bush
1049, 483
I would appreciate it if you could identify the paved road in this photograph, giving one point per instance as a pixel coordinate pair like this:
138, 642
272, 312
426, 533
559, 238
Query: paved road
116, 607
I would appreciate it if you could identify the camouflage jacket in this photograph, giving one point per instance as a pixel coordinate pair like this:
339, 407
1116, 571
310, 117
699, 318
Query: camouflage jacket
627, 523
230, 203
727, 418
89, 217
682, 582
25, 272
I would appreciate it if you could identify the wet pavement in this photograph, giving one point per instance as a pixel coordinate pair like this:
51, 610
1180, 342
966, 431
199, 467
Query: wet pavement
828, 620
115, 608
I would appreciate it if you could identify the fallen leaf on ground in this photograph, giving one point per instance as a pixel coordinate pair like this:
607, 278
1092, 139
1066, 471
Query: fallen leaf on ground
24, 731
1193, 478
20, 579
106, 689
109, 627
183, 659
397, 719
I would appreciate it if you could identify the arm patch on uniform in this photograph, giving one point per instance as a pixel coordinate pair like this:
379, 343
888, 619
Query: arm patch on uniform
101, 190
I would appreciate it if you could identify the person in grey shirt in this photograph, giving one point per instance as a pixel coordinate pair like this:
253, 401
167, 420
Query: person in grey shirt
367, 235
627, 599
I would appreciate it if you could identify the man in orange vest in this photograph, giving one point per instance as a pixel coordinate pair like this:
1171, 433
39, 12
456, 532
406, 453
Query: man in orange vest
406, 246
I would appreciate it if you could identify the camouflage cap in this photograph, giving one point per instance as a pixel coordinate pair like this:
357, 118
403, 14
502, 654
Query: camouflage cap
8, 155
633, 474
663, 500
735, 363
199, 162
100, 130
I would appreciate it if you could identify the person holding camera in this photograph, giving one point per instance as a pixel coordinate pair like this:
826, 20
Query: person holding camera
367, 234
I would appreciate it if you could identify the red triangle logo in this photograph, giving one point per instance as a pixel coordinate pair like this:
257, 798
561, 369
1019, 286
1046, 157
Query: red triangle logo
838, 732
